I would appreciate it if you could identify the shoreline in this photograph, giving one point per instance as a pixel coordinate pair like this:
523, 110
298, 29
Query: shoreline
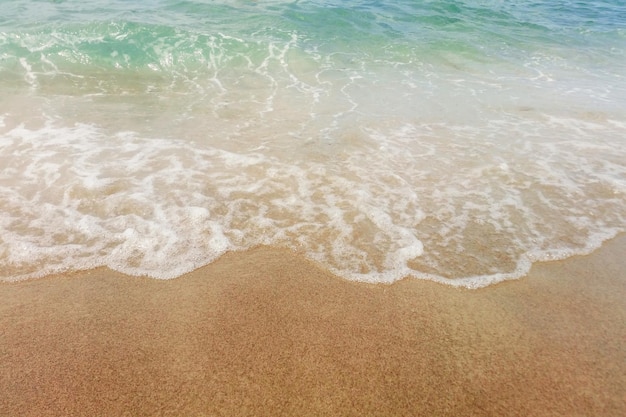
266, 332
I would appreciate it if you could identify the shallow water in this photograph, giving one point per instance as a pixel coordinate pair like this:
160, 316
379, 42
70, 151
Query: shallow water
454, 141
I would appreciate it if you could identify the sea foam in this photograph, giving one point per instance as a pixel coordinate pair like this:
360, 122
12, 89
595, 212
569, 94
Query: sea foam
77, 198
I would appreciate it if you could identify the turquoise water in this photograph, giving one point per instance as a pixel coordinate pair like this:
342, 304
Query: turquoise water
458, 141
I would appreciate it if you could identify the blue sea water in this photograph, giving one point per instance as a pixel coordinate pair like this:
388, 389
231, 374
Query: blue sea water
458, 141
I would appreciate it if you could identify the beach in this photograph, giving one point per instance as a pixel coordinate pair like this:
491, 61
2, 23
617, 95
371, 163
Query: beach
366, 208
266, 332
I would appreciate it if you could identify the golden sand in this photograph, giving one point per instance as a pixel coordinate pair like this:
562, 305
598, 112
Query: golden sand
267, 333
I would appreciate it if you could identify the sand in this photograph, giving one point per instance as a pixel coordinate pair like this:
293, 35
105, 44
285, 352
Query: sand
267, 333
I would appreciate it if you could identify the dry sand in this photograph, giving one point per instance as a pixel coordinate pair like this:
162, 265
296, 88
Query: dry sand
266, 333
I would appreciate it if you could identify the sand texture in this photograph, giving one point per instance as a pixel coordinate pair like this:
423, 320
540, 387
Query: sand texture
267, 333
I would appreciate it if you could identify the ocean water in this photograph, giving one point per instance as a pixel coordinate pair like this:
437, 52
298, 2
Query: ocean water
457, 141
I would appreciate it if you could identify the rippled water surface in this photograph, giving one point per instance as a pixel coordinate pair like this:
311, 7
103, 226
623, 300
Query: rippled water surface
458, 141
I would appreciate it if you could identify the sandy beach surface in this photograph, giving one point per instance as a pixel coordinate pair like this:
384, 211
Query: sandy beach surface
267, 333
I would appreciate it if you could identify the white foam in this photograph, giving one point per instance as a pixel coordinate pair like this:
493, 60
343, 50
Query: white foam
162, 208
29, 75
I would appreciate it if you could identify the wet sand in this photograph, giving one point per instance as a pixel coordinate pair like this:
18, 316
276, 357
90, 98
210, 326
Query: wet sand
267, 333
